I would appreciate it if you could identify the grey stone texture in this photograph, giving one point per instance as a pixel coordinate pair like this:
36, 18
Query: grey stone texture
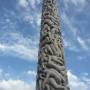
51, 73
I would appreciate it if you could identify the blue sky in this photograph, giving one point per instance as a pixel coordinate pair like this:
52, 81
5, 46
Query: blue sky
19, 39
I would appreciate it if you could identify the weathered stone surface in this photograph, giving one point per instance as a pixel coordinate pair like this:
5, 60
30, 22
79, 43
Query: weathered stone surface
52, 74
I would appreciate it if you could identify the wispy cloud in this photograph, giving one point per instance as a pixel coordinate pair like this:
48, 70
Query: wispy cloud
77, 4
19, 46
70, 41
32, 3
15, 85
68, 21
26, 3
28, 15
4, 74
34, 20
82, 43
70, 46
9, 82
77, 83
23, 3
31, 72
19, 51
72, 35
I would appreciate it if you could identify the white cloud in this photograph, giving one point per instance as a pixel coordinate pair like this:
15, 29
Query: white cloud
69, 22
38, 1
81, 57
33, 19
31, 72
70, 46
20, 46
32, 3
29, 18
28, 15
4, 74
76, 83
79, 4
70, 43
82, 43
26, 3
21, 51
7, 83
38, 19
87, 81
15, 85
85, 74
23, 3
